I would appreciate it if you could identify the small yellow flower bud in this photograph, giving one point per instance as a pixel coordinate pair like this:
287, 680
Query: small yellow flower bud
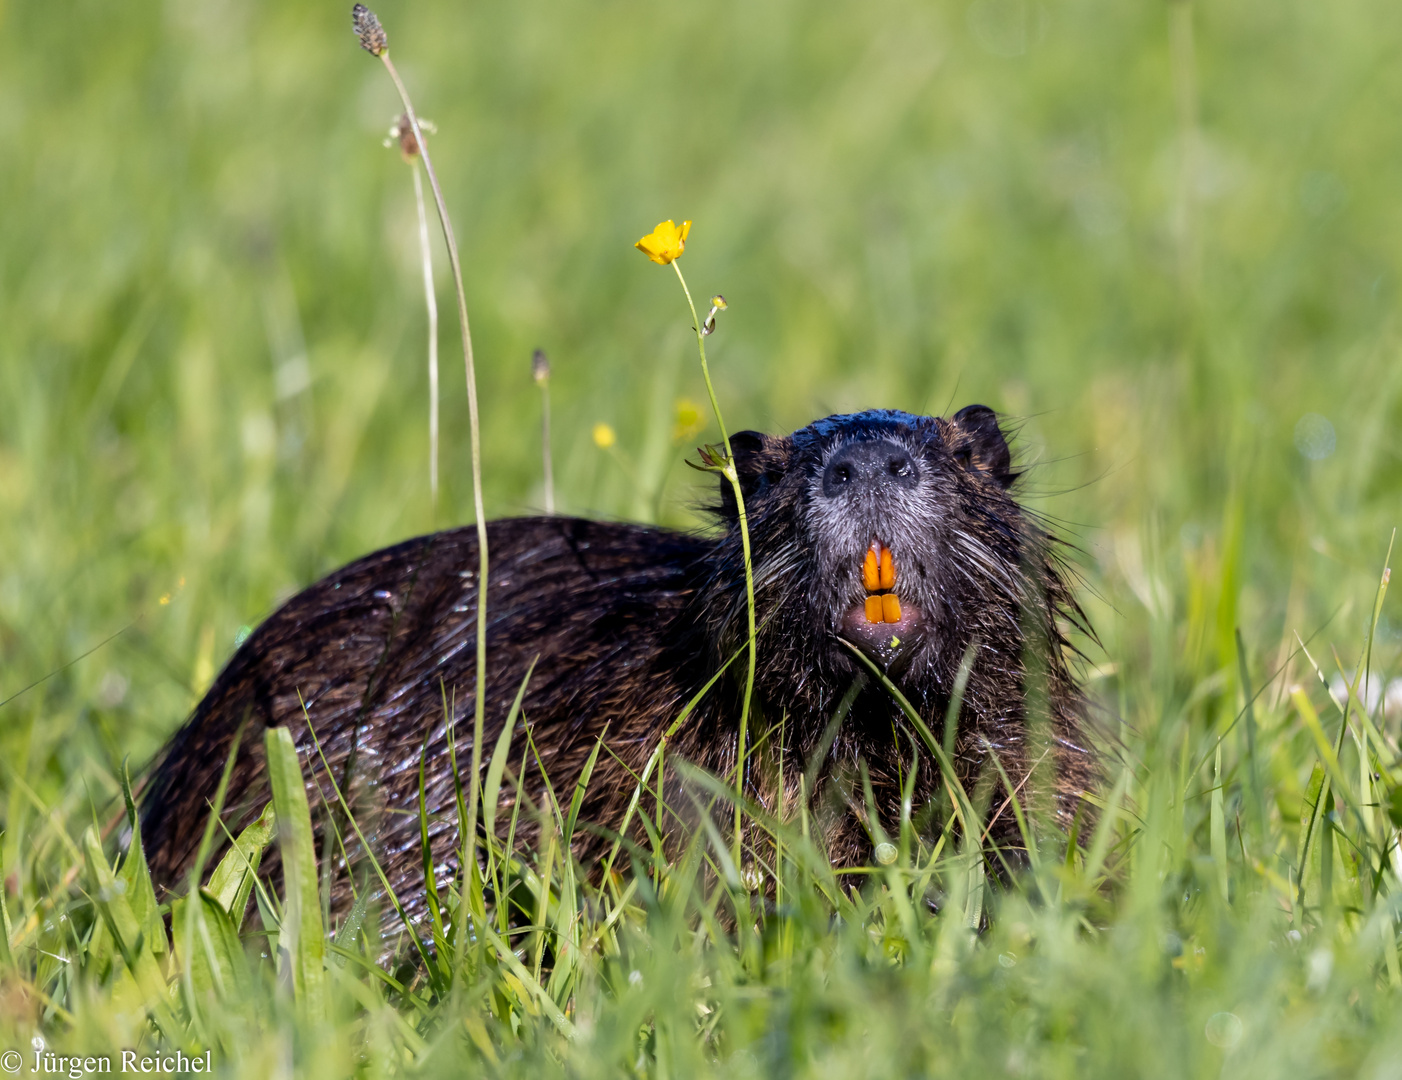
604, 436
717, 305
540, 367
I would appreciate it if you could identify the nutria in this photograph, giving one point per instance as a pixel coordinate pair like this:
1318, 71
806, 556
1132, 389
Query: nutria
893, 532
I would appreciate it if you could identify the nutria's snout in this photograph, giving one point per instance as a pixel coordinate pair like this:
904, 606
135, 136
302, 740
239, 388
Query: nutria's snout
868, 470
873, 483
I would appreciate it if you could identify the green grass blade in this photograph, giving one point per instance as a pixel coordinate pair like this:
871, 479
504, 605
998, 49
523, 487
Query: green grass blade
109, 894
301, 938
375, 864
217, 966
1105, 828
231, 884
141, 894
491, 788
532, 984
431, 896
956, 698
580, 787
1023, 827
1311, 810
951, 778
7, 931
830, 730
1218, 830
1253, 769
217, 808
633, 801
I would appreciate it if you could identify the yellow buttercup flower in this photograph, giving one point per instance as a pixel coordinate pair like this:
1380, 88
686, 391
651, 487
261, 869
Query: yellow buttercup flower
665, 243
604, 436
689, 420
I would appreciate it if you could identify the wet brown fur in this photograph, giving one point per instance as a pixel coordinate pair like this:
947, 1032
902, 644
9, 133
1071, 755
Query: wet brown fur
625, 624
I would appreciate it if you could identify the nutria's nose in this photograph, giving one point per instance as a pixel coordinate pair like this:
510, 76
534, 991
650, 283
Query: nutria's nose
871, 464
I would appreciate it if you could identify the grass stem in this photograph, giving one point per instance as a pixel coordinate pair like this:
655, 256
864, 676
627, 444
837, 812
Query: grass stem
1183, 62
540, 372
431, 304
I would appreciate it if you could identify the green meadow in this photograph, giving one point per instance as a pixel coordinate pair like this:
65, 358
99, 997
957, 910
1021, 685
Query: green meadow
1163, 238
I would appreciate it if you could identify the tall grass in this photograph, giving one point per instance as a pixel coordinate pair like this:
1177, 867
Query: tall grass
1161, 236
1193, 928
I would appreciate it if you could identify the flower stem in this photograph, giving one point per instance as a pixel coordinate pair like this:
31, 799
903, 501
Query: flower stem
733, 476
469, 841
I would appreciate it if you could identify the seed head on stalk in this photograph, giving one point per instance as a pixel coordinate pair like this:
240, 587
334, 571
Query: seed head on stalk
375, 41
373, 38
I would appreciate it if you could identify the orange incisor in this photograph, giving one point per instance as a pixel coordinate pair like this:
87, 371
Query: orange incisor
879, 576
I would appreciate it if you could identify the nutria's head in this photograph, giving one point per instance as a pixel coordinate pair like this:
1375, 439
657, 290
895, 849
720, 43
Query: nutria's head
892, 532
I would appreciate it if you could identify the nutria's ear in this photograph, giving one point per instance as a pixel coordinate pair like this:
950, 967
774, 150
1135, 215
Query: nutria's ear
979, 443
759, 463
748, 447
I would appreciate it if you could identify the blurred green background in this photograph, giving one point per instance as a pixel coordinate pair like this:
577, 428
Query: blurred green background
1164, 240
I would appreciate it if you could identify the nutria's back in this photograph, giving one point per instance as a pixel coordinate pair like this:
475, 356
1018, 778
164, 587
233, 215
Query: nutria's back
891, 532
373, 650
